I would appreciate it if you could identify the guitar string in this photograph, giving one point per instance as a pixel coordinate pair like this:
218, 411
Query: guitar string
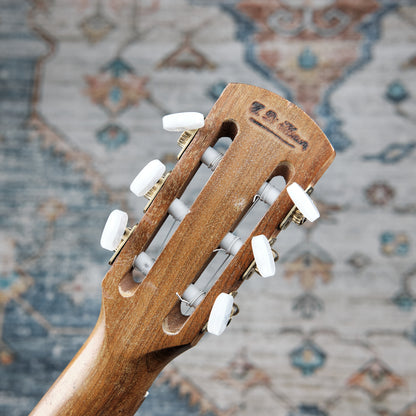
216, 272
208, 284
255, 200
162, 245
214, 275
210, 280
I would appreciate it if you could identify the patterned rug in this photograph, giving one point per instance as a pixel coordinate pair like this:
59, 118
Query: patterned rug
83, 86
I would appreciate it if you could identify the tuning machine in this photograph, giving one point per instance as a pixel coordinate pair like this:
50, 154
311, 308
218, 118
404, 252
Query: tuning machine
149, 181
304, 208
221, 314
151, 178
115, 233
263, 253
188, 123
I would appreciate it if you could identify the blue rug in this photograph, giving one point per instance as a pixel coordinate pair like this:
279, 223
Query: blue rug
83, 86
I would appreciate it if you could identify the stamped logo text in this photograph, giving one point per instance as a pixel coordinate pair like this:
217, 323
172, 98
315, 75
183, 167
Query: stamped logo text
284, 130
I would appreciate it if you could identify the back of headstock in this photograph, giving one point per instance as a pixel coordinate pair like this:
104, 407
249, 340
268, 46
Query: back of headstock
141, 326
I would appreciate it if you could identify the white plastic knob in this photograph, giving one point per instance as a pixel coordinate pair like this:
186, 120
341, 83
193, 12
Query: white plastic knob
183, 121
113, 230
263, 255
147, 177
220, 314
303, 202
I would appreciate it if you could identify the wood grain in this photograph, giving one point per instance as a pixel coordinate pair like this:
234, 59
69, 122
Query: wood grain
140, 328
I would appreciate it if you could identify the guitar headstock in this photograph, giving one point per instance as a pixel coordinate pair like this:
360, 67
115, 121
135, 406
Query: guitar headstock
270, 137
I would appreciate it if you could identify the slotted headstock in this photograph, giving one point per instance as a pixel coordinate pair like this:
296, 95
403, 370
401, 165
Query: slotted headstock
270, 136
141, 327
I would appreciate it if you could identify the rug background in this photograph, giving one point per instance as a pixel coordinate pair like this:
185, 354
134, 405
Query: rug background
83, 86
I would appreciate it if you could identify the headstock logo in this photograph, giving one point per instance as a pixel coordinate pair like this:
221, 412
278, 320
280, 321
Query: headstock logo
269, 120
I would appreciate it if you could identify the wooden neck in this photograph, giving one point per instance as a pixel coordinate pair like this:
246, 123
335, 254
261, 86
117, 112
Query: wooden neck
101, 381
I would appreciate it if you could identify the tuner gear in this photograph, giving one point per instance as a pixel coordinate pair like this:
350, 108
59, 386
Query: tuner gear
183, 121
114, 230
220, 314
263, 255
303, 202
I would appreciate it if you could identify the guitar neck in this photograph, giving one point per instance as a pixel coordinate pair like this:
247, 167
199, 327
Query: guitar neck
101, 381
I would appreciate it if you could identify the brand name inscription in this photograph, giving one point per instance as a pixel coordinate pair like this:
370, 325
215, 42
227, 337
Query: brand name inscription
268, 119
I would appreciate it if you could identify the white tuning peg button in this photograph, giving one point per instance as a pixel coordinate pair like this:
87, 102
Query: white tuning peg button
220, 314
113, 230
303, 202
147, 177
263, 255
183, 121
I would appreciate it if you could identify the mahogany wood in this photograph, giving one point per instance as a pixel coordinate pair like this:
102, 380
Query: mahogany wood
140, 328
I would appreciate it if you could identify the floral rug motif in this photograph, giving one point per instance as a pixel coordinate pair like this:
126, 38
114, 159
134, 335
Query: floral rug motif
83, 87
